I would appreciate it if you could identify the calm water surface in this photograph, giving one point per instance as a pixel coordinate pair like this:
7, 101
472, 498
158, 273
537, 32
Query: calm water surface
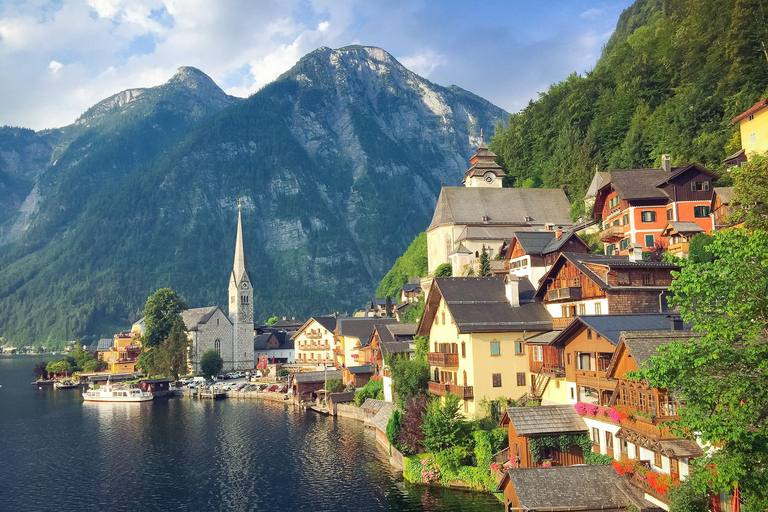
57, 452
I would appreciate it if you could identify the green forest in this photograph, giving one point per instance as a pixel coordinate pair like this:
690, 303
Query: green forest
670, 79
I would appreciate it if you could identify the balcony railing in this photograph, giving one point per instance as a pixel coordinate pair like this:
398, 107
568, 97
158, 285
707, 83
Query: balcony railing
612, 234
561, 323
443, 359
571, 292
440, 389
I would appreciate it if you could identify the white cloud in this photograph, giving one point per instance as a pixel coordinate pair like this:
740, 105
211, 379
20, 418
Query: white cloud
55, 66
423, 63
591, 13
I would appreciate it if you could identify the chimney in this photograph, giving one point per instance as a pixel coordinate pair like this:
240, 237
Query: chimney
666, 165
512, 289
635, 252
558, 232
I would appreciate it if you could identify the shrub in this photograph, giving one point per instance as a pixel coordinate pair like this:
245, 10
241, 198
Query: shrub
373, 389
444, 270
444, 427
411, 436
394, 425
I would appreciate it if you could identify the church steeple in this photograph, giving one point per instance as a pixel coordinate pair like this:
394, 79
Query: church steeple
238, 269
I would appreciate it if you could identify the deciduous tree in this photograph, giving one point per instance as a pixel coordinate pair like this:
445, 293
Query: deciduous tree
174, 350
720, 379
750, 193
211, 363
162, 310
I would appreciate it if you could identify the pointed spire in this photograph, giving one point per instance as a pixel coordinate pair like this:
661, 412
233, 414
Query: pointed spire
239, 266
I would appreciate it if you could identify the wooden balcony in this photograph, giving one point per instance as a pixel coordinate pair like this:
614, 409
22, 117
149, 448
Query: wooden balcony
594, 379
612, 234
569, 293
562, 323
440, 389
442, 359
550, 370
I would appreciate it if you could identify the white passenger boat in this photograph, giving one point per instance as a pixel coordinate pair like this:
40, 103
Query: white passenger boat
116, 393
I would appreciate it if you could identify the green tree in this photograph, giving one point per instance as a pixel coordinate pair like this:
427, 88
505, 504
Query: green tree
720, 379
147, 362
750, 193
411, 436
422, 347
334, 385
485, 263
161, 312
272, 320
394, 425
372, 389
444, 270
409, 377
388, 306
413, 263
59, 367
413, 311
444, 427
211, 363
174, 350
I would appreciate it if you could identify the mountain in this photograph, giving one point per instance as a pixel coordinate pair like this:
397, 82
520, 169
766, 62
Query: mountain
338, 164
670, 79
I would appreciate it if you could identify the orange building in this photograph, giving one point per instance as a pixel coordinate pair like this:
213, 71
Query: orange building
125, 350
636, 205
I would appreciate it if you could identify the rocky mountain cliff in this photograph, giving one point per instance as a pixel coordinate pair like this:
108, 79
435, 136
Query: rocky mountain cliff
338, 164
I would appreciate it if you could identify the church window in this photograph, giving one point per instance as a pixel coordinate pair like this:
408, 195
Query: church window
217, 346
448, 245
243, 299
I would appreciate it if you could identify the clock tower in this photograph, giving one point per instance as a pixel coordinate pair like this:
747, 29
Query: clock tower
485, 172
241, 305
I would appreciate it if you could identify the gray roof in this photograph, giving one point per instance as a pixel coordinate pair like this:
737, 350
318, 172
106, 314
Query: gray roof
395, 347
544, 338
686, 227
479, 304
309, 377
642, 345
381, 418
360, 328
487, 233
597, 181
197, 316
724, 193
390, 333
577, 487
105, 344
680, 448
610, 327
639, 183
328, 322
345, 397
363, 368
546, 420
501, 206
372, 404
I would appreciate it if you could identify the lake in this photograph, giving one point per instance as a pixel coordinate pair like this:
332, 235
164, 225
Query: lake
57, 452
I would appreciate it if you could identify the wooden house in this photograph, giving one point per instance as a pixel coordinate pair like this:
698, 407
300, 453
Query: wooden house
595, 284
634, 205
721, 207
571, 488
531, 253
357, 376
371, 351
526, 423
676, 237
307, 384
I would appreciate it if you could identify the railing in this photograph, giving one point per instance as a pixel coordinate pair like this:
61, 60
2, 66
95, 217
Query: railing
442, 359
562, 323
612, 233
552, 370
571, 292
440, 389
314, 336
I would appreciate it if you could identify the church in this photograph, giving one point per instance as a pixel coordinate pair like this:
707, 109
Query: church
230, 335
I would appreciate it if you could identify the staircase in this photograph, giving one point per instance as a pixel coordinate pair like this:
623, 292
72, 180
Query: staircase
537, 390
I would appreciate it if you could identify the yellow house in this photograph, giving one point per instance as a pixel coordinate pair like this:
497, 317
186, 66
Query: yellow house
352, 334
315, 343
122, 357
753, 124
477, 329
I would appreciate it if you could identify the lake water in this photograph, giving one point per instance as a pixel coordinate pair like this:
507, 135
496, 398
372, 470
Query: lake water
57, 452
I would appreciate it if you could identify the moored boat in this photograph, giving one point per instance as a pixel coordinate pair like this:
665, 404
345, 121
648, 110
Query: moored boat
67, 384
116, 393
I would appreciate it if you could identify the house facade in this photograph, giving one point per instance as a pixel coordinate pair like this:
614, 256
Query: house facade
676, 237
352, 334
635, 205
753, 125
315, 343
596, 284
276, 346
531, 253
476, 328
721, 207
209, 328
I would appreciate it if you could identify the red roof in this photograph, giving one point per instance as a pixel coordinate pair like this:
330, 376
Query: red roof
754, 108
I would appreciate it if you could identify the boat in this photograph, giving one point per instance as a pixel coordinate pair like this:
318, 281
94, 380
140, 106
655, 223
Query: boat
116, 393
67, 384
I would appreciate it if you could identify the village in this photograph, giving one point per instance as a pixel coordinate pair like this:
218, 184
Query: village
523, 329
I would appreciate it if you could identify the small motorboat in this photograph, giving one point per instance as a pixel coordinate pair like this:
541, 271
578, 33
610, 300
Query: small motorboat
66, 384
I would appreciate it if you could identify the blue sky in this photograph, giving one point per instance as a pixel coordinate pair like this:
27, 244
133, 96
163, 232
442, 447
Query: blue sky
59, 57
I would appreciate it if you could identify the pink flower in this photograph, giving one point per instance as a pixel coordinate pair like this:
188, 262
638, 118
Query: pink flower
580, 408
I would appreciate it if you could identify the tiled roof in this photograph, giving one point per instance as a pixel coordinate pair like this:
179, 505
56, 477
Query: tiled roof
642, 345
105, 344
501, 206
197, 316
680, 448
363, 368
724, 193
309, 377
340, 398
574, 488
546, 420
381, 418
610, 327
479, 304
685, 227
751, 110
328, 322
360, 328
487, 233
639, 183
534, 242
371, 404
544, 338
395, 347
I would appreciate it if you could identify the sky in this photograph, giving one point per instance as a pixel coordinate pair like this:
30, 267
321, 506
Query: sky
59, 57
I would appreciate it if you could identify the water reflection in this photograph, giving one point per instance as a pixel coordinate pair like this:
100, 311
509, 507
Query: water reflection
188, 455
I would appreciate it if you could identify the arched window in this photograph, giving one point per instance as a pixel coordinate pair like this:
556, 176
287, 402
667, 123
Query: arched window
448, 245
217, 346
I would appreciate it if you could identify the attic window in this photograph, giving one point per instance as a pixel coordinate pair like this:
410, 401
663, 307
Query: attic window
485, 218
528, 218
623, 278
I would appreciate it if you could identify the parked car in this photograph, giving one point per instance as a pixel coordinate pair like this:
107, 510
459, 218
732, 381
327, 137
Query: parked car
282, 389
272, 388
